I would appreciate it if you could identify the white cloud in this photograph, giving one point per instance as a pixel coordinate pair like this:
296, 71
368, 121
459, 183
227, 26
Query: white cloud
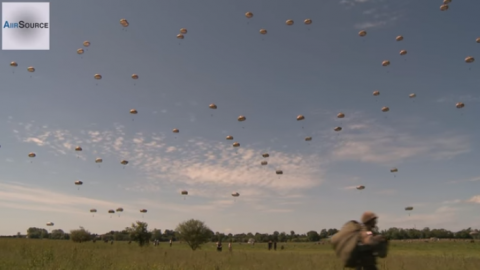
375, 143
453, 99
474, 199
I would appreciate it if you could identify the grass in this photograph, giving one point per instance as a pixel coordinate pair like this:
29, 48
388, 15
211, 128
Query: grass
50, 254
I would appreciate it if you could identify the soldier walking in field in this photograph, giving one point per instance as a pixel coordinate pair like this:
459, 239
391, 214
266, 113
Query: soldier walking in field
373, 245
269, 245
275, 245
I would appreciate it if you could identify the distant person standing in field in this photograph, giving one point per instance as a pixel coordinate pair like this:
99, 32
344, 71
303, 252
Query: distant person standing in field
230, 246
275, 245
170, 242
269, 245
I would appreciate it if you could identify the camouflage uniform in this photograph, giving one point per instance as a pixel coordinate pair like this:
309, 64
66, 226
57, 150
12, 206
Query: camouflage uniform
369, 243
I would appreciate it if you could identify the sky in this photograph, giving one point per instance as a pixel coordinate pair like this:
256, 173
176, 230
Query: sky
317, 71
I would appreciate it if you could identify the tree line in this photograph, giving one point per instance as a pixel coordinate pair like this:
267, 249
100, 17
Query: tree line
131, 233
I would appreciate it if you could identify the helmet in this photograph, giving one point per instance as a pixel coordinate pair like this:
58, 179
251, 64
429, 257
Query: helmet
368, 216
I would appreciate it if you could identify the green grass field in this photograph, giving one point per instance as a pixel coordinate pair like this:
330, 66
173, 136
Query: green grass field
52, 254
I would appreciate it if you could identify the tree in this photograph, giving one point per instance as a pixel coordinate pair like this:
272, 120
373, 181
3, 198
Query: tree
57, 234
313, 236
37, 233
156, 234
139, 233
81, 235
194, 232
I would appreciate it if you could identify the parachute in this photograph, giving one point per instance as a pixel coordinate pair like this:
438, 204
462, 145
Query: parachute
444, 7
183, 31
263, 31
32, 155
143, 211
78, 148
289, 22
86, 43
180, 36
385, 63
399, 38
279, 172
412, 95
340, 115
184, 193
376, 93
337, 129
98, 160
176, 130
212, 106
78, 183
31, 69
80, 51
236, 144
307, 21
124, 22
249, 15
459, 105
97, 76
241, 118
469, 59
229, 138
50, 223
362, 33
263, 163
13, 64
360, 187
135, 76
307, 139
300, 117
265, 155
403, 52
385, 109
235, 194
133, 111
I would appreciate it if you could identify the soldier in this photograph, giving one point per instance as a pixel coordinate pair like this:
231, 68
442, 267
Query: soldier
170, 242
269, 245
230, 246
275, 245
372, 245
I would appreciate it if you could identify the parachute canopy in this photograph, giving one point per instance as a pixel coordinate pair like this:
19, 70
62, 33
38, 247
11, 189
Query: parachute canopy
97, 76
124, 22
241, 118
376, 93
469, 59
50, 223
184, 192
393, 170
212, 106
459, 105
249, 14
111, 211
399, 38
32, 155
31, 69
289, 22
143, 211
360, 187
180, 36
338, 129
340, 115
307, 139
362, 33
263, 31
385, 63
279, 172
235, 194
264, 163
385, 109
119, 209
265, 155
124, 162
133, 111
175, 130
93, 210
13, 64
300, 117
409, 208
412, 95
98, 160
403, 52
86, 43
78, 148
229, 137
135, 76
307, 21
78, 183
80, 51
444, 7
183, 31
236, 144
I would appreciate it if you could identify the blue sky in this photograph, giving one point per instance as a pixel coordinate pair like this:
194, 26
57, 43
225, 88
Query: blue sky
317, 71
